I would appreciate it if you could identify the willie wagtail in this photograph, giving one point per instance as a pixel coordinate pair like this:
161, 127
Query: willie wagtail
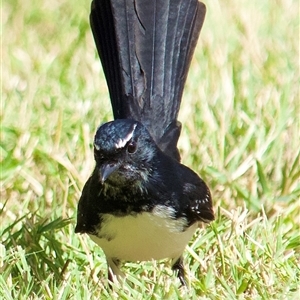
141, 203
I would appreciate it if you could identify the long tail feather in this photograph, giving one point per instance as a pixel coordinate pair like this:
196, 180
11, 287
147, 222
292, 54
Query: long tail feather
146, 47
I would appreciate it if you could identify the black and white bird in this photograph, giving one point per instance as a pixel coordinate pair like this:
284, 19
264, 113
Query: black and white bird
141, 203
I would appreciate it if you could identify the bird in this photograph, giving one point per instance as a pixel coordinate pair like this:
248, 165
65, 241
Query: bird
140, 202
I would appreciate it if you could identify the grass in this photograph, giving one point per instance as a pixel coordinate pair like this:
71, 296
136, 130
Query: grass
240, 116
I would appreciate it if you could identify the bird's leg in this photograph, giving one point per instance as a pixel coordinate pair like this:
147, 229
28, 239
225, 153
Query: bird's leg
114, 273
178, 267
111, 276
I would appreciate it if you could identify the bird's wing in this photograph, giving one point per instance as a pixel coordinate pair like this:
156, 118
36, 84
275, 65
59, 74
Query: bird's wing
87, 219
146, 47
200, 203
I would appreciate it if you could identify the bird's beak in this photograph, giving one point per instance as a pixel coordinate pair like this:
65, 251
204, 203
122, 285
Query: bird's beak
106, 170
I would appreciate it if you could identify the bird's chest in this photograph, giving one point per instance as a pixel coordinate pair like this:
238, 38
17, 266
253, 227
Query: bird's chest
143, 236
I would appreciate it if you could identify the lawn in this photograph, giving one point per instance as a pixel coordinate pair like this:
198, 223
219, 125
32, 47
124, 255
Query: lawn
241, 133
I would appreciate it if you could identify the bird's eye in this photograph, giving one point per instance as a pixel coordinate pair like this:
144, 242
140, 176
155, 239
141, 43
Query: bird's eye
97, 152
131, 147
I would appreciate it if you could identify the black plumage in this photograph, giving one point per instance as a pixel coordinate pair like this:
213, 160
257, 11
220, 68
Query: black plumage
146, 49
140, 203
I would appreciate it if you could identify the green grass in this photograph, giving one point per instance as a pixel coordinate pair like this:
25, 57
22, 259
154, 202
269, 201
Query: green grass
240, 116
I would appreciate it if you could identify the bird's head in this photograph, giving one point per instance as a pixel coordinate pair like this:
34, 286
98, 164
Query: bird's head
124, 152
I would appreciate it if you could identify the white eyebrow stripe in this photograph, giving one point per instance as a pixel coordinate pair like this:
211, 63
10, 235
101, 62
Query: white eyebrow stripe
122, 142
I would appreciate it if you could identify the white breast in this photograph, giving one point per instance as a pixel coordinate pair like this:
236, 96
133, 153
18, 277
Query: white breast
144, 236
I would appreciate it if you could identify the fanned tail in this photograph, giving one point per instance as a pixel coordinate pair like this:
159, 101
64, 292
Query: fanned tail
146, 47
